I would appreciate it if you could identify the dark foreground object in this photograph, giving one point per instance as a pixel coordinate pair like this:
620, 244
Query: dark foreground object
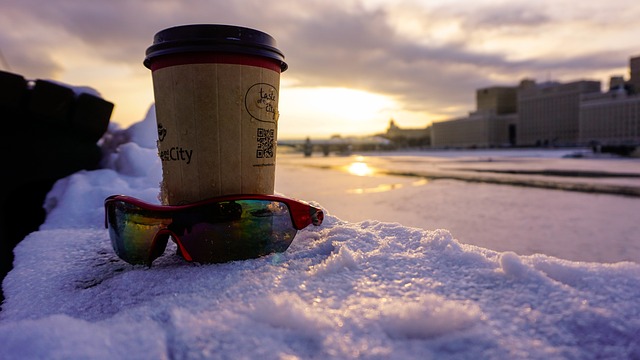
48, 132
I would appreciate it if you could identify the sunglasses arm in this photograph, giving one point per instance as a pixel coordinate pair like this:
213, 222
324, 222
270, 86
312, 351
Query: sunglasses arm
304, 215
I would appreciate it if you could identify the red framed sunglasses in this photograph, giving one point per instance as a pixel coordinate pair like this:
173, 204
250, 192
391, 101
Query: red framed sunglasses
221, 229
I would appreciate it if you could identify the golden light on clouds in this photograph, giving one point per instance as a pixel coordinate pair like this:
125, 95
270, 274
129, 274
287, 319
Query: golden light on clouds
333, 110
337, 102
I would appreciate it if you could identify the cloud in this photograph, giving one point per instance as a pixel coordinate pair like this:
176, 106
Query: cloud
508, 15
431, 57
29, 49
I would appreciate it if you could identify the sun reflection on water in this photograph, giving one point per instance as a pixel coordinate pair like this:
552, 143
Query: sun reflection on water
360, 168
377, 189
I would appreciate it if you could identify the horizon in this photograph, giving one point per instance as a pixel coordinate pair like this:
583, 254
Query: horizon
353, 66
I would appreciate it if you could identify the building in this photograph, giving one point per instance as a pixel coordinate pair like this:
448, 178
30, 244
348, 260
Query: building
475, 131
493, 124
542, 114
613, 118
634, 67
549, 113
408, 137
497, 99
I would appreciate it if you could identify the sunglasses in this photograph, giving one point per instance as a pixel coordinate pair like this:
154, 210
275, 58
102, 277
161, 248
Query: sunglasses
216, 230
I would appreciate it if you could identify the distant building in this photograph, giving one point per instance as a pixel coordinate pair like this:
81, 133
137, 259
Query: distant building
549, 113
475, 131
541, 114
493, 124
634, 81
497, 99
408, 137
613, 118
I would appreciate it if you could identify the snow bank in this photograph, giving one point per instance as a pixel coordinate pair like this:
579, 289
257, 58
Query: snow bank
342, 290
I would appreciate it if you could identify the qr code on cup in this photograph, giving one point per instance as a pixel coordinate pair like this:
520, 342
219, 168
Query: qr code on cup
266, 142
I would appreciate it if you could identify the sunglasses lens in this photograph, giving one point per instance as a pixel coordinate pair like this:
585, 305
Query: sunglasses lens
206, 232
234, 230
134, 233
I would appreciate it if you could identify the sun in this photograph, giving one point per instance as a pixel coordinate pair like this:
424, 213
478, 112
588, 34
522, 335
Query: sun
351, 104
334, 110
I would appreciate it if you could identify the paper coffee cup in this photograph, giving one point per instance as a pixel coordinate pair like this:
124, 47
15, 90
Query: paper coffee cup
216, 91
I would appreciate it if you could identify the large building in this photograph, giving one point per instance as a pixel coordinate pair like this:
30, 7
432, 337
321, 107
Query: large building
493, 124
408, 137
634, 67
611, 118
549, 113
475, 131
544, 114
497, 99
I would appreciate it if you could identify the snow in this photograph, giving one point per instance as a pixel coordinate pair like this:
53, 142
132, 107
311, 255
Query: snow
348, 289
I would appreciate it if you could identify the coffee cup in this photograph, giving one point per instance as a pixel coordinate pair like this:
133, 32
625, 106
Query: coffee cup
216, 90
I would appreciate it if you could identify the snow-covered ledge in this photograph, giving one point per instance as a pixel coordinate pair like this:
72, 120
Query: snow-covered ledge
342, 290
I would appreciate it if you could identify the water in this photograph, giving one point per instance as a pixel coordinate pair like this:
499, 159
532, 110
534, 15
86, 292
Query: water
481, 209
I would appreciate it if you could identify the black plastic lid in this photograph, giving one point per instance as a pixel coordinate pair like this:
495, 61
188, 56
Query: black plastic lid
213, 38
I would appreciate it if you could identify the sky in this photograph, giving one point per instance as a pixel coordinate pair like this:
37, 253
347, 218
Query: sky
353, 64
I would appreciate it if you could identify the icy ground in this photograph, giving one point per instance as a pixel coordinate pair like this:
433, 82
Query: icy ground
347, 289
464, 192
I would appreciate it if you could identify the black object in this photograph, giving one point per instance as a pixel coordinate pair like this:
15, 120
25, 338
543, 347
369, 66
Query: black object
214, 38
91, 107
12, 90
47, 132
51, 103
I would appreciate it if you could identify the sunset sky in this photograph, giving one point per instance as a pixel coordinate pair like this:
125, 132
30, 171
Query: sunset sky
353, 64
